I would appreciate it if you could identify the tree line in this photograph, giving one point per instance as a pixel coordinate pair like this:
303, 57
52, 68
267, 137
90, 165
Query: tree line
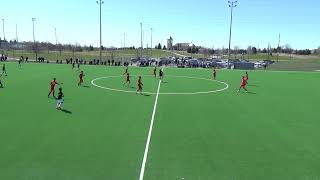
43, 46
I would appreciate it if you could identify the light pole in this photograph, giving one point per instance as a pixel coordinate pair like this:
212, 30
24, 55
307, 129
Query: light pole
55, 34
4, 36
141, 42
278, 48
17, 32
34, 39
100, 2
16, 39
232, 4
124, 40
268, 55
151, 44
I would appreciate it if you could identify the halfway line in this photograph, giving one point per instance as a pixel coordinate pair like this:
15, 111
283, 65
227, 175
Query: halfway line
149, 136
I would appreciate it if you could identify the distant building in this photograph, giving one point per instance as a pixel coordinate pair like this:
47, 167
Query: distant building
182, 46
3, 43
170, 43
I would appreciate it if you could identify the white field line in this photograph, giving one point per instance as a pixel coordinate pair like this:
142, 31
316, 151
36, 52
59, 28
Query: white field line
170, 93
145, 156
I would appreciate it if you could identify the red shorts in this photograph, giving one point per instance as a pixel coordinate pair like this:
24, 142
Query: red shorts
52, 89
139, 87
243, 85
81, 80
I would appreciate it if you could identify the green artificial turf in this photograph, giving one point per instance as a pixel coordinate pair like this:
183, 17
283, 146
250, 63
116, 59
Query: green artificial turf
270, 133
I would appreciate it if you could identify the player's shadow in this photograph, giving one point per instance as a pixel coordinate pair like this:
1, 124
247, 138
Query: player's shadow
146, 95
165, 82
251, 92
66, 111
86, 86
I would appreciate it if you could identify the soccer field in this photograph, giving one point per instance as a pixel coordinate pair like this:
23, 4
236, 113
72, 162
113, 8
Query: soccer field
202, 129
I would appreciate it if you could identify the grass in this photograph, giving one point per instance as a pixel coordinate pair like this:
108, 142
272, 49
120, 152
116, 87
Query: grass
184, 53
270, 133
309, 64
261, 56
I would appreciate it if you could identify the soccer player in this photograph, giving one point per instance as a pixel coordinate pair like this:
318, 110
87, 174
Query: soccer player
243, 84
126, 71
161, 74
78, 66
139, 86
19, 63
127, 79
155, 72
60, 99
81, 78
73, 65
1, 85
52, 86
4, 70
214, 74
247, 77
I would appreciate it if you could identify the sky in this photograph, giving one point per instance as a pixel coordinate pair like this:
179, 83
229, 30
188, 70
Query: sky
202, 22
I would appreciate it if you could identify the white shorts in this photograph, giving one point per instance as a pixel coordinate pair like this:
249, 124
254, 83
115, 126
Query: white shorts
60, 101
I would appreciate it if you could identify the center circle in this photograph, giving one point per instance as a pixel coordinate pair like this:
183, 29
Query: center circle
226, 86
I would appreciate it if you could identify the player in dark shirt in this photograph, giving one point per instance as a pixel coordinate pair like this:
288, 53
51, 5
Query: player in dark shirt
60, 99
4, 70
1, 85
19, 63
126, 71
161, 74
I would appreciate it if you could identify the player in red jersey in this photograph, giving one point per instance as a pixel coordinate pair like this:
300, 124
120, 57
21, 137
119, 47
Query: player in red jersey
214, 74
53, 84
127, 79
243, 84
246, 77
81, 78
155, 72
139, 86
126, 71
